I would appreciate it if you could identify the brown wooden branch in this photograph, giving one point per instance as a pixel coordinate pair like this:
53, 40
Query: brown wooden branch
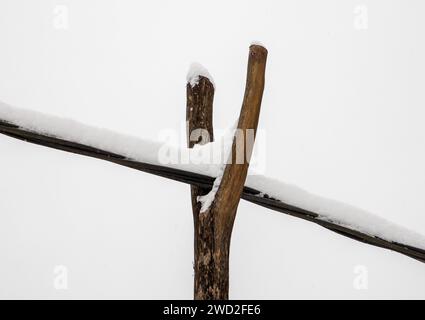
220, 216
199, 120
249, 194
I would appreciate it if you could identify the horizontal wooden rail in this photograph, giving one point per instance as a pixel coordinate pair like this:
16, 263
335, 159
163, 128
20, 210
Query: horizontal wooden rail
249, 194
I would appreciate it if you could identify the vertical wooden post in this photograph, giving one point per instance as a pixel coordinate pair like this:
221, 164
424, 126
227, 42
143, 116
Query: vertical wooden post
199, 121
215, 225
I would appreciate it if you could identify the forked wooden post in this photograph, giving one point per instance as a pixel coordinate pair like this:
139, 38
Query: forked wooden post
213, 228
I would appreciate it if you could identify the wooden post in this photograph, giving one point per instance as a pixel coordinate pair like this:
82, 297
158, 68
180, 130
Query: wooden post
214, 226
199, 120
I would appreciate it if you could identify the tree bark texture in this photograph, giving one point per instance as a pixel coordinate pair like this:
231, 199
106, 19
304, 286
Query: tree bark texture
199, 121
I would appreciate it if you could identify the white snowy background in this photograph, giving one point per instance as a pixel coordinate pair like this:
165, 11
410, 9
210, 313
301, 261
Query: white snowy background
342, 110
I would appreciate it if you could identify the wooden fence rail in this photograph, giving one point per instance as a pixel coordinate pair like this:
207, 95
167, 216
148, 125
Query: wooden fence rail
249, 194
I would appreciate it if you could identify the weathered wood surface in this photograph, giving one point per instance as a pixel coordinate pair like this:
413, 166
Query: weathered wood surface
199, 120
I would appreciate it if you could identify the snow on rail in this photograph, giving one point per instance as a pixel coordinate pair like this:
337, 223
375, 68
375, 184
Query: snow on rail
147, 151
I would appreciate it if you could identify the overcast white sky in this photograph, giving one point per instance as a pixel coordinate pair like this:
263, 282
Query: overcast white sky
343, 112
